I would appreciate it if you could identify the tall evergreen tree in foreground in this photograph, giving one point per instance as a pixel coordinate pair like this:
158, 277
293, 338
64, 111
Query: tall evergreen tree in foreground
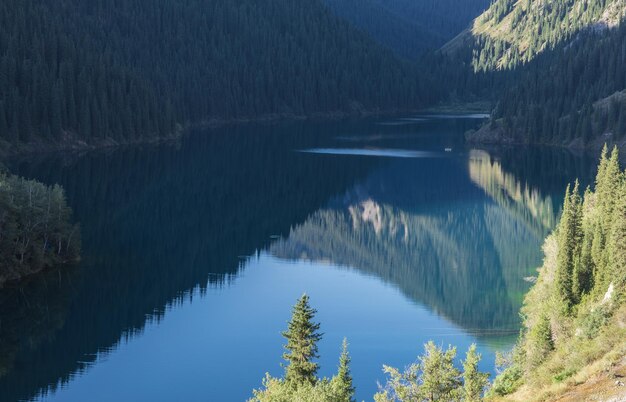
474, 382
302, 336
342, 382
300, 382
570, 242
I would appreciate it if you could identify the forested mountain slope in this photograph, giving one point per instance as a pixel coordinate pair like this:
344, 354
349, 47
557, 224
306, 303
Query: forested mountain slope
559, 70
124, 71
573, 96
574, 316
409, 27
513, 32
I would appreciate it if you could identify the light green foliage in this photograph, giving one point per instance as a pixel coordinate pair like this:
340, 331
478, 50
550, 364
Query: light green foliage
583, 276
564, 374
597, 247
302, 336
609, 182
279, 390
474, 382
434, 378
590, 259
35, 228
401, 386
341, 384
540, 342
507, 381
440, 379
515, 32
509, 368
593, 321
616, 247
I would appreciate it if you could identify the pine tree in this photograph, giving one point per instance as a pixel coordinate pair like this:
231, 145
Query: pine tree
597, 246
302, 336
565, 260
342, 382
608, 183
616, 244
585, 268
440, 379
575, 242
474, 382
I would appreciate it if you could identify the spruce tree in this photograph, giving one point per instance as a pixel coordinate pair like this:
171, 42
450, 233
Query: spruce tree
474, 382
584, 268
575, 242
608, 184
342, 382
565, 262
302, 336
616, 247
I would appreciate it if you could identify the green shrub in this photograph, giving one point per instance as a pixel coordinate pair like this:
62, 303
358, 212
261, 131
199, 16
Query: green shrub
508, 381
567, 373
593, 321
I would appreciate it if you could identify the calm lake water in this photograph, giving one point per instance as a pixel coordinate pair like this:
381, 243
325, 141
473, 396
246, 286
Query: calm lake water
194, 253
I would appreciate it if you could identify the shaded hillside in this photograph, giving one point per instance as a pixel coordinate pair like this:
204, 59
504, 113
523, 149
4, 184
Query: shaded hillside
510, 33
556, 69
581, 105
408, 27
75, 72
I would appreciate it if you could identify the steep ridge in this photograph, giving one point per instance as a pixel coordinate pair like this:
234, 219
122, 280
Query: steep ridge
408, 27
511, 33
561, 71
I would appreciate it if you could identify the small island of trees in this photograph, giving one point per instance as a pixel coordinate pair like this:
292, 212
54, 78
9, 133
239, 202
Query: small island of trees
36, 231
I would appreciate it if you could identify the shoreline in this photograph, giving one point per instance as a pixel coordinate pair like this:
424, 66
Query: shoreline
71, 143
487, 136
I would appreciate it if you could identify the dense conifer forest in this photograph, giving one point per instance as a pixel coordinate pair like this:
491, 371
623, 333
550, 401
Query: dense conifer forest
560, 69
97, 73
512, 33
582, 100
409, 27
123, 71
